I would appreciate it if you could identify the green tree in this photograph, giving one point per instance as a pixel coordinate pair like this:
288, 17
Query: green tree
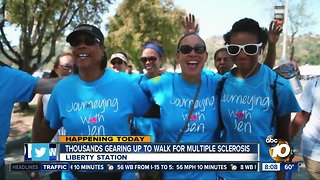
41, 23
136, 22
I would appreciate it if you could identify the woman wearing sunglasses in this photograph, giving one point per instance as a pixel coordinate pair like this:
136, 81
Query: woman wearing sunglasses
93, 101
222, 59
151, 57
247, 101
187, 102
119, 62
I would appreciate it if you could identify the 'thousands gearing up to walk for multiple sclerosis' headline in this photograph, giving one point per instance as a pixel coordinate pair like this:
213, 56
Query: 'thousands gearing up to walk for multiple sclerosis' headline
157, 148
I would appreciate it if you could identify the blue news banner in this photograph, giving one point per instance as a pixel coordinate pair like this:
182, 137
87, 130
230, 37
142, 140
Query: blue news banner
97, 157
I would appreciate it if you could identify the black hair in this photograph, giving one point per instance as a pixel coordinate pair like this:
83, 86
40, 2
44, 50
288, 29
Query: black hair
53, 74
247, 25
104, 61
219, 50
179, 42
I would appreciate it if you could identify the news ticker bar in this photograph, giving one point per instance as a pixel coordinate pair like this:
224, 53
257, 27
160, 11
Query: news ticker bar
102, 167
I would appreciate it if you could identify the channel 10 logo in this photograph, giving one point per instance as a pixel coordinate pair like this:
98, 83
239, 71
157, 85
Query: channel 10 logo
279, 149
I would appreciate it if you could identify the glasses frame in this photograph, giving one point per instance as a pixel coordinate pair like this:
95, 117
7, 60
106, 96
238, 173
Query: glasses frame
66, 67
198, 48
88, 41
243, 48
118, 62
148, 58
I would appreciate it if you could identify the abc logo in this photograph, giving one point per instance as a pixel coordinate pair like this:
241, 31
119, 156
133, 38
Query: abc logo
271, 140
279, 150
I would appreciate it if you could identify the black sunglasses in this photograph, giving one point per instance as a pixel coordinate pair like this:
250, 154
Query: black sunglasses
89, 41
66, 67
198, 48
117, 61
149, 58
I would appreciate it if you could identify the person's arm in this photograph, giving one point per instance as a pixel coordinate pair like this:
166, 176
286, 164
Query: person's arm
41, 132
38, 115
273, 37
153, 112
283, 124
45, 86
40, 125
298, 122
190, 25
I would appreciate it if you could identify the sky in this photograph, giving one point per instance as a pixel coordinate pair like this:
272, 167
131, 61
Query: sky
216, 17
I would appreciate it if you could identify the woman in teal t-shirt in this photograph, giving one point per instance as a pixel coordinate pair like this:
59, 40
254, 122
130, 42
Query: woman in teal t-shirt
175, 92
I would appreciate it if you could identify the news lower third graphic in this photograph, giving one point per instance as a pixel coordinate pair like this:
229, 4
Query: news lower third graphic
98, 154
40, 152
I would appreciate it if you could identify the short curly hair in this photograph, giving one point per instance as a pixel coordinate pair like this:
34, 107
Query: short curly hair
248, 25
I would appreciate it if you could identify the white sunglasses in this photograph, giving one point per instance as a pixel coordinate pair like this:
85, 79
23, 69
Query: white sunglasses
249, 49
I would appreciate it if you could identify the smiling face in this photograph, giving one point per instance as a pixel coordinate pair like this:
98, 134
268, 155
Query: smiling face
191, 62
119, 65
245, 63
151, 61
87, 52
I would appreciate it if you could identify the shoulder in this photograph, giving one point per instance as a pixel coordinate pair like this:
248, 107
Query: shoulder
17, 76
116, 77
207, 71
164, 78
273, 76
66, 82
137, 77
8, 71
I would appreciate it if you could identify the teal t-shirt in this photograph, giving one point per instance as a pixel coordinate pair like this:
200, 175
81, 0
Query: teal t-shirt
247, 109
96, 108
174, 95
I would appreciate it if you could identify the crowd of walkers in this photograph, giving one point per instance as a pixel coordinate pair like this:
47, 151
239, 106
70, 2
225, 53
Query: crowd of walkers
149, 103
